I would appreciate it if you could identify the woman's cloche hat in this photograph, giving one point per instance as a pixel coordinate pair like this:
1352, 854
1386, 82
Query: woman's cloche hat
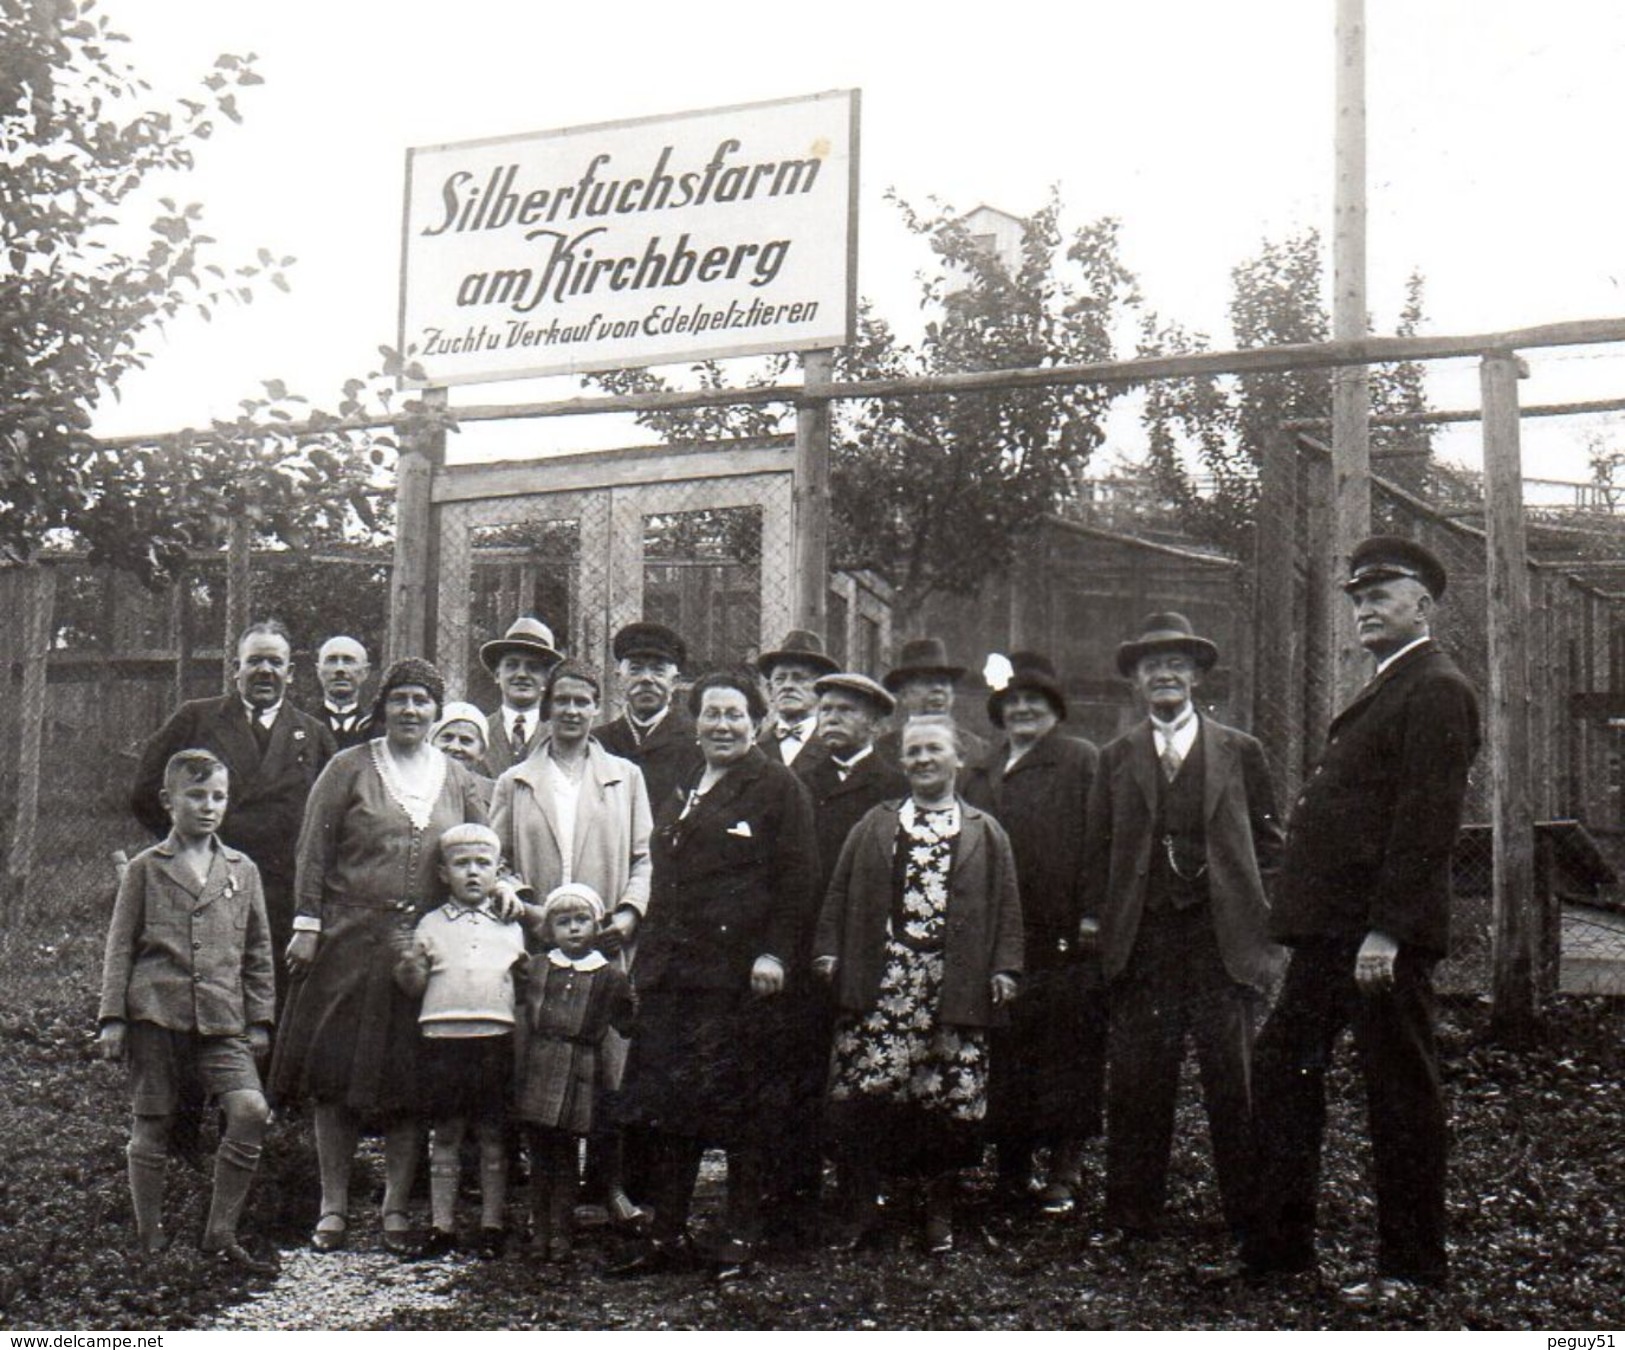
1028, 670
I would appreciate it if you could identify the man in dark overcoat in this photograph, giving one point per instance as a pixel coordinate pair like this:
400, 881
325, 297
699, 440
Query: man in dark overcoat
519, 661
1182, 834
273, 752
845, 782
1049, 1062
655, 733
1363, 902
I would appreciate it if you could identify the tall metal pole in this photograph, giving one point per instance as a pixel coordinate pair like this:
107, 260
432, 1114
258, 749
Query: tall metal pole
1351, 410
1509, 742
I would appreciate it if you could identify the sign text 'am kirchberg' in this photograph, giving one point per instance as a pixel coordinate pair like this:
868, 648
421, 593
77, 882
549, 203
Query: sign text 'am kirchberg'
655, 247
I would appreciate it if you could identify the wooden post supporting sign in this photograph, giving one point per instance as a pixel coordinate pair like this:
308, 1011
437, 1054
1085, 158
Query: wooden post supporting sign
410, 601
812, 499
1512, 803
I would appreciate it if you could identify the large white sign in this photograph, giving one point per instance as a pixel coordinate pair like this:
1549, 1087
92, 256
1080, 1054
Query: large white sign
716, 233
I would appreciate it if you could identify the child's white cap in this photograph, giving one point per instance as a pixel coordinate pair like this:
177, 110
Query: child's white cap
571, 895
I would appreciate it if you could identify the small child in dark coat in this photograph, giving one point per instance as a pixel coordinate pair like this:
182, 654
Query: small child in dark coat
188, 996
573, 996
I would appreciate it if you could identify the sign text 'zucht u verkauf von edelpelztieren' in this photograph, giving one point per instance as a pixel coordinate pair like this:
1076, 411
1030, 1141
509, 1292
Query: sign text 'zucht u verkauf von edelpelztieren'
718, 233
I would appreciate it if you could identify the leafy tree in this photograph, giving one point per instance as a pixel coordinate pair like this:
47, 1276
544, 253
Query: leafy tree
1222, 424
934, 492
78, 302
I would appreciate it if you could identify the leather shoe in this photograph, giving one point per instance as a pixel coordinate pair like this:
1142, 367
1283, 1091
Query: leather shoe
1058, 1200
234, 1256
330, 1239
438, 1243
654, 1258
1383, 1292
402, 1242
491, 1244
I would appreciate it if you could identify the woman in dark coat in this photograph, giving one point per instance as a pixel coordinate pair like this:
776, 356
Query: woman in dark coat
735, 866
920, 937
368, 868
1049, 1062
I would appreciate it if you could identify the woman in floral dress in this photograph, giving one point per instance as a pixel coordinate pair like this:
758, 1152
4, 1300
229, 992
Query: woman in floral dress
920, 936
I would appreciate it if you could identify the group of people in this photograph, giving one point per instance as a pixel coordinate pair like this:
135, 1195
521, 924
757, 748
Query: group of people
802, 916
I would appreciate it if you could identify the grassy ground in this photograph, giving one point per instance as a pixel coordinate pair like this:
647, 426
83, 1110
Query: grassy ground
1537, 1193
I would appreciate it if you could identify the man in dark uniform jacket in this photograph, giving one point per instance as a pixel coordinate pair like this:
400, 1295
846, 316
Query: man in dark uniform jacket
1182, 834
845, 781
273, 752
341, 668
1363, 901
655, 733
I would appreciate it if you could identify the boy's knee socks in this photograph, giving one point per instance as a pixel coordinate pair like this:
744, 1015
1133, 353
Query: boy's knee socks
444, 1169
234, 1166
146, 1188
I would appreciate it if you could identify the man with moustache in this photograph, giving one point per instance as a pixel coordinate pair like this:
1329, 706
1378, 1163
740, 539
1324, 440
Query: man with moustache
655, 732
791, 670
273, 752
1364, 904
518, 661
1181, 833
342, 667
924, 681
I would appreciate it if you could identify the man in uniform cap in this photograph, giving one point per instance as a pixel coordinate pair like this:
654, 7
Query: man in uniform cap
1182, 832
923, 681
1363, 902
519, 661
791, 670
845, 780
655, 733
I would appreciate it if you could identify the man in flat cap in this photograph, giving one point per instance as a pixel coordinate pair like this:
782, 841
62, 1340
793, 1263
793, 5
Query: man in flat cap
845, 781
1363, 902
519, 662
655, 733
1182, 832
924, 680
791, 670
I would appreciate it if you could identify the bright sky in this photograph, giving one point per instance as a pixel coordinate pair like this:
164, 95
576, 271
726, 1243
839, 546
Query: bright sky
1205, 127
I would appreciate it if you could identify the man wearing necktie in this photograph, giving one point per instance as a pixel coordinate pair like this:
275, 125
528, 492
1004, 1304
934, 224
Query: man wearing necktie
273, 751
1364, 903
1181, 833
519, 662
341, 669
791, 670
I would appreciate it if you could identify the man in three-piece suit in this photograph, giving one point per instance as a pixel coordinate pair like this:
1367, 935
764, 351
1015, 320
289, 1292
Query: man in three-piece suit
655, 733
273, 752
1181, 833
519, 661
1363, 902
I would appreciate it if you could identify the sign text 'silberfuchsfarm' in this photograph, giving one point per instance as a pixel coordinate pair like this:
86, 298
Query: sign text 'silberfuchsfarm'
717, 233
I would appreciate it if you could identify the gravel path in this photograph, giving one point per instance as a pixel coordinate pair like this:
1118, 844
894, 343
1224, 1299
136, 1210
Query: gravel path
342, 1291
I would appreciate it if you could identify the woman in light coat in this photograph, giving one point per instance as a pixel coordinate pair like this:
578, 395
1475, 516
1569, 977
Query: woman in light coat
573, 812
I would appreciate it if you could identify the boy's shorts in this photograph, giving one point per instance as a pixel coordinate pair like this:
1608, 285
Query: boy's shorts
163, 1063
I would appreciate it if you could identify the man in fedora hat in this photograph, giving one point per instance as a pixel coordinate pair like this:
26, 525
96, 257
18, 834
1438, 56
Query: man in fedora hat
1049, 1063
519, 661
1363, 902
791, 670
923, 681
845, 780
1182, 832
655, 732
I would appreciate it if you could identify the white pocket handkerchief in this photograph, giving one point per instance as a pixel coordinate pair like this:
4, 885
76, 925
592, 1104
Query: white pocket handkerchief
741, 830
